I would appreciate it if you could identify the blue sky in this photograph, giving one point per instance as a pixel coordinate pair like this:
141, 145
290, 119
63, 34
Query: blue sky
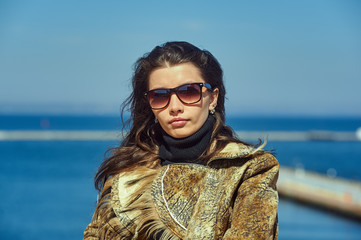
279, 57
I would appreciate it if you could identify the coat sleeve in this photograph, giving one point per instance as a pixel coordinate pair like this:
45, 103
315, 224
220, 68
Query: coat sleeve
97, 231
254, 214
92, 231
105, 224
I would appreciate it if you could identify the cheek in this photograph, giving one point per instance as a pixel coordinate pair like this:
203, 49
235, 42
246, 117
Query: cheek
206, 103
201, 113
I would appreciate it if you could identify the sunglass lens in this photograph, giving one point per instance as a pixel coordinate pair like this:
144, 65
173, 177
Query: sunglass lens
158, 98
189, 93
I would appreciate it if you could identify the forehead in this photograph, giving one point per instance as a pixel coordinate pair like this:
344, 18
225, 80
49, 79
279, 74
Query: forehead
173, 76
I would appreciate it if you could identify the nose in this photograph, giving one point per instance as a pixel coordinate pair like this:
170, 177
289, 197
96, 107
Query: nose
175, 105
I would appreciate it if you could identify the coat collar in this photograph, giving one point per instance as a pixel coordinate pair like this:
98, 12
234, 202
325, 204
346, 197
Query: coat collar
236, 150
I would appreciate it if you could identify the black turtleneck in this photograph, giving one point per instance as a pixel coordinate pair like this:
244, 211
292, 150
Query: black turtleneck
188, 149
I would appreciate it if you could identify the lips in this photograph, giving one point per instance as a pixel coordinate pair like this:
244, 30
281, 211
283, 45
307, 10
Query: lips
178, 122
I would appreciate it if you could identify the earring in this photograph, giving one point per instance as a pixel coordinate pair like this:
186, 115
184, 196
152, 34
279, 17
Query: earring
212, 111
156, 120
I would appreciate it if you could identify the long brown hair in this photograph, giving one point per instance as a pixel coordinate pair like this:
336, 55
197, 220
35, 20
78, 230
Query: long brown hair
141, 143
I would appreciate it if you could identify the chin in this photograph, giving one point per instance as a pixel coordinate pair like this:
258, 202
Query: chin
180, 133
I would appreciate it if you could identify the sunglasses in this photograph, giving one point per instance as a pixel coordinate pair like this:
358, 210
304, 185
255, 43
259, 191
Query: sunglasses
189, 93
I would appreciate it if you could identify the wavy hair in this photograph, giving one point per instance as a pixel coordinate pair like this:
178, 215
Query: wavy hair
140, 145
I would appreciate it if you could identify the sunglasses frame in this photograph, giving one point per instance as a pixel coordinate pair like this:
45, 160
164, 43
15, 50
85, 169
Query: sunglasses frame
174, 90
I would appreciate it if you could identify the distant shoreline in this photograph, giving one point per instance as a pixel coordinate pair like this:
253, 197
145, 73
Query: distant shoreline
98, 135
228, 115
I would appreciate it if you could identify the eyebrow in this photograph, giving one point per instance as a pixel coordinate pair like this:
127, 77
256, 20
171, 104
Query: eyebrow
175, 86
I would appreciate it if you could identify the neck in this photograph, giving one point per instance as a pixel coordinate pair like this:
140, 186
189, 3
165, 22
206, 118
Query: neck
189, 149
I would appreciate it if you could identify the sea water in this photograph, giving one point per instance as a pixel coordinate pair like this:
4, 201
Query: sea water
47, 186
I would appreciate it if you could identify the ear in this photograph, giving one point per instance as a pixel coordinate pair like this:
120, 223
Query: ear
214, 99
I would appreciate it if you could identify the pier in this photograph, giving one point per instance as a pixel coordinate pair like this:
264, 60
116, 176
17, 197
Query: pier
59, 135
335, 194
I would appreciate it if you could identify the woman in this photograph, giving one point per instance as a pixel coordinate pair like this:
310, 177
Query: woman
180, 173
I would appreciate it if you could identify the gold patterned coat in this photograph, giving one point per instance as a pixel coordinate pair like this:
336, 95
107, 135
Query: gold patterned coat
233, 197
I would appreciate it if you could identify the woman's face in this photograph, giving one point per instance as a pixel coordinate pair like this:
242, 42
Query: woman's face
177, 119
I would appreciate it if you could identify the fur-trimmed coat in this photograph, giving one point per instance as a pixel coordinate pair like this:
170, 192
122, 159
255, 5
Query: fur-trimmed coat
233, 197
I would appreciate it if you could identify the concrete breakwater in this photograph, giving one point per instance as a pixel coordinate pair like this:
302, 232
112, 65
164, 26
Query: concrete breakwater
335, 194
93, 135
59, 135
300, 135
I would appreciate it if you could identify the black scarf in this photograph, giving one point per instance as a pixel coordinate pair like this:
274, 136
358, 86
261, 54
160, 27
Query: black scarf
188, 149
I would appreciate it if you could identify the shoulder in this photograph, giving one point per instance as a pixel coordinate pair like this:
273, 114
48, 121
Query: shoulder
240, 150
252, 157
